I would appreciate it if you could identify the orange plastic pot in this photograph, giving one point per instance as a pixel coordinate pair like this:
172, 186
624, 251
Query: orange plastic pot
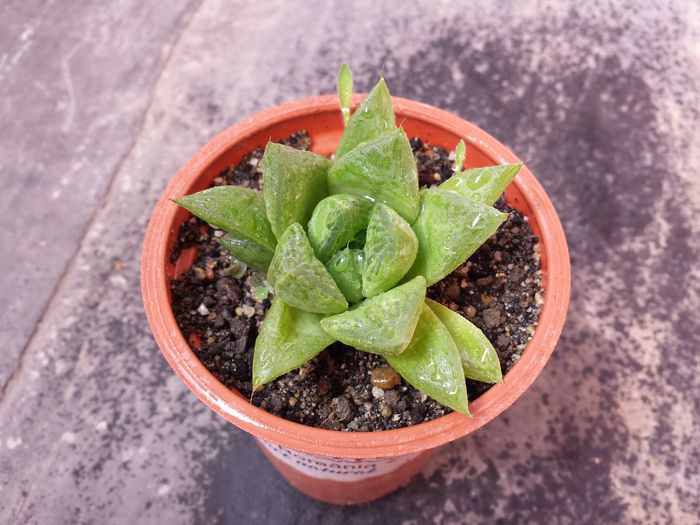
345, 467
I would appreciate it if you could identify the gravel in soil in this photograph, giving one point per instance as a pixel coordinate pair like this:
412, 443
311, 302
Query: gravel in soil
219, 306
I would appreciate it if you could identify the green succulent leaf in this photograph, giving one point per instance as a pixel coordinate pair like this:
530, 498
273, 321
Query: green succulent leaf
390, 249
234, 209
335, 222
382, 169
251, 253
288, 338
300, 279
482, 185
346, 268
460, 153
479, 358
431, 363
345, 91
450, 228
383, 324
374, 117
294, 181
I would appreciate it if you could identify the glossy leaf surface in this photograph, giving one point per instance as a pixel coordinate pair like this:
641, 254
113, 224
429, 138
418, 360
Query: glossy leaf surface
288, 338
383, 324
372, 118
450, 228
390, 249
431, 363
346, 268
251, 253
294, 181
234, 209
300, 279
335, 222
479, 358
383, 170
482, 185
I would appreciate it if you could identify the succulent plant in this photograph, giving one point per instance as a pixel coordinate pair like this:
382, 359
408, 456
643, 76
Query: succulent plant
350, 245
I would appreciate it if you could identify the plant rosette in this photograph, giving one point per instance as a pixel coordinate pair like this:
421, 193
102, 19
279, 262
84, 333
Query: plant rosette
349, 245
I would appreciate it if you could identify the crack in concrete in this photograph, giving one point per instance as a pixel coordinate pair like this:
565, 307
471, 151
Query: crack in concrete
186, 20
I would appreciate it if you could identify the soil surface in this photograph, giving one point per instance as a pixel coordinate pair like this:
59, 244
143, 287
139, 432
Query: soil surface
219, 307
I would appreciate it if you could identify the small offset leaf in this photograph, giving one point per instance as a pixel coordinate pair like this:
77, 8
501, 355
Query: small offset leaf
460, 152
234, 209
251, 253
300, 279
482, 185
390, 249
431, 363
335, 222
382, 169
345, 91
479, 358
450, 228
294, 181
374, 117
383, 324
262, 292
288, 338
346, 268
259, 286
236, 269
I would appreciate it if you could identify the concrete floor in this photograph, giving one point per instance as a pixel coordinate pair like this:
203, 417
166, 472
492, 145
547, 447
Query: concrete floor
100, 103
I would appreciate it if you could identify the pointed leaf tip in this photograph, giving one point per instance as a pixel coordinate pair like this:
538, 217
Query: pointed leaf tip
483, 185
432, 364
382, 169
479, 357
373, 117
390, 249
460, 153
345, 86
288, 338
300, 279
450, 227
335, 222
383, 324
294, 181
237, 210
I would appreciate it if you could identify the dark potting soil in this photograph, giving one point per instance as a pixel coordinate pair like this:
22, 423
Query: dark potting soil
218, 307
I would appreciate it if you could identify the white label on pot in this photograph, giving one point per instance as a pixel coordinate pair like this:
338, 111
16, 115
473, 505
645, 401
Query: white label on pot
338, 469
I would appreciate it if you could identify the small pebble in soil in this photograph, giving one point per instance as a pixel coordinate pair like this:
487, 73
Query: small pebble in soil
492, 315
377, 393
385, 377
217, 309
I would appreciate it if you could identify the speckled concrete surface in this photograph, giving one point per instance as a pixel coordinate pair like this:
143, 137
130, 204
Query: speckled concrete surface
102, 103
75, 86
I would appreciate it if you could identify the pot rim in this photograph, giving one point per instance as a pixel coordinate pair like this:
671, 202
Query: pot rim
237, 409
